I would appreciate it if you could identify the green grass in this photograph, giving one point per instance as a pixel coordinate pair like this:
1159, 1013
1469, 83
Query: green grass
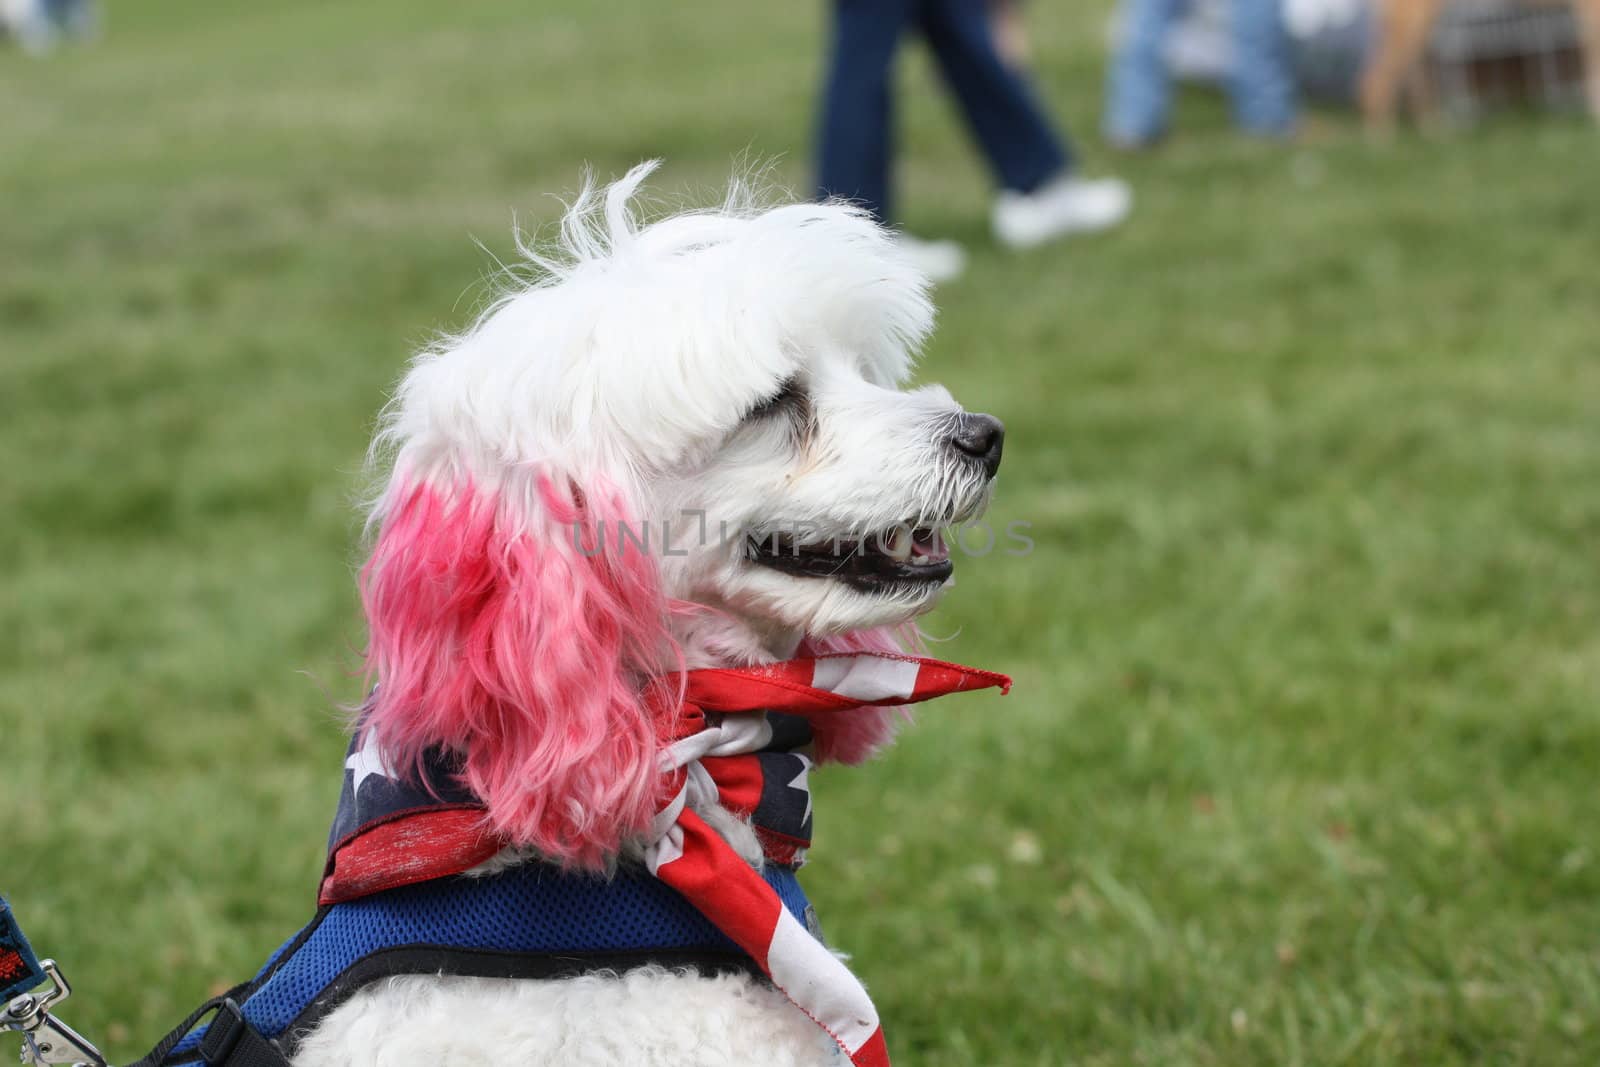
1301, 763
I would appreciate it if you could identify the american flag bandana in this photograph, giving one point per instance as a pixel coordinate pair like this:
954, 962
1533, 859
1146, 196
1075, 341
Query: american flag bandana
726, 749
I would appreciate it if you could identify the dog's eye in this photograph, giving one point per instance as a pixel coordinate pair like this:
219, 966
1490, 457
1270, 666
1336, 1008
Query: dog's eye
790, 399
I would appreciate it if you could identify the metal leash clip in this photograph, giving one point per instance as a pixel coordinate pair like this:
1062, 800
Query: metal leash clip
46, 1039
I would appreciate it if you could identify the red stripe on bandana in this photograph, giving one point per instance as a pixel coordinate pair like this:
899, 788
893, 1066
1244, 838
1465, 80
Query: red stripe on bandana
406, 848
697, 862
836, 682
739, 781
713, 876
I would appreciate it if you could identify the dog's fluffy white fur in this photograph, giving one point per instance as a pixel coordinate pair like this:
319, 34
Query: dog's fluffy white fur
712, 375
647, 1016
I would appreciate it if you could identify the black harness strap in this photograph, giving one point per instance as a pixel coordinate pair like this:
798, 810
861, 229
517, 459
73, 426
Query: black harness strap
231, 1041
157, 1057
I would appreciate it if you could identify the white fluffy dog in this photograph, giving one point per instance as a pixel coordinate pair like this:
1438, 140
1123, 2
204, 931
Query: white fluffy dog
723, 389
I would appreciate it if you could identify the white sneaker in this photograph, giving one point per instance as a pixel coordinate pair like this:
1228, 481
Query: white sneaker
941, 261
1062, 207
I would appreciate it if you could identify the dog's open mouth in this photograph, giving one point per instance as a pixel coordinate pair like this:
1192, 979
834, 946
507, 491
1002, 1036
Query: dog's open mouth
880, 562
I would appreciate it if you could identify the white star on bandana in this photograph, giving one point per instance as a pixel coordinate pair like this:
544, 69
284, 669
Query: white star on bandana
799, 782
367, 761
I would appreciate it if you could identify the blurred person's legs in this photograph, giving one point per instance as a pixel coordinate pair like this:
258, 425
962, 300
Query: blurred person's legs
1040, 199
1139, 88
856, 135
1402, 36
1030, 163
854, 160
1589, 20
1010, 127
29, 22
857, 124
39, 25
1262, 80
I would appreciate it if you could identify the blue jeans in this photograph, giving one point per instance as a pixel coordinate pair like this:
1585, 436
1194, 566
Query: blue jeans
1261, 83
855, 149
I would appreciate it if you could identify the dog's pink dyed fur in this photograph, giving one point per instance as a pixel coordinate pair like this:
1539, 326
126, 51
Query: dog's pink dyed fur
492, 635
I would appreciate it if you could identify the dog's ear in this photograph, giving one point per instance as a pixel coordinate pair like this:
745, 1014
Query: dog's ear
855, 736
504, 628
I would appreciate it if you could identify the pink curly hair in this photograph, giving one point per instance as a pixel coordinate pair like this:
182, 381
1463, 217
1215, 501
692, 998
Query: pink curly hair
543, 662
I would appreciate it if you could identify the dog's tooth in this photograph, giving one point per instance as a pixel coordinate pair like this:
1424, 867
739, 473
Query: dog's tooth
898, 544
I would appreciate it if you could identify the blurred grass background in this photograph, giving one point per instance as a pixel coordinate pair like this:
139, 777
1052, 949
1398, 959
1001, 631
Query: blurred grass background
1301, 763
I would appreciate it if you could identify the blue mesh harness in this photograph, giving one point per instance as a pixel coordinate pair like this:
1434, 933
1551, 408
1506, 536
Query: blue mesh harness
530, 921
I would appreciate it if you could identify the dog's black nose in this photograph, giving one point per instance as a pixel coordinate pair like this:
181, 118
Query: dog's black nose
982, 437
